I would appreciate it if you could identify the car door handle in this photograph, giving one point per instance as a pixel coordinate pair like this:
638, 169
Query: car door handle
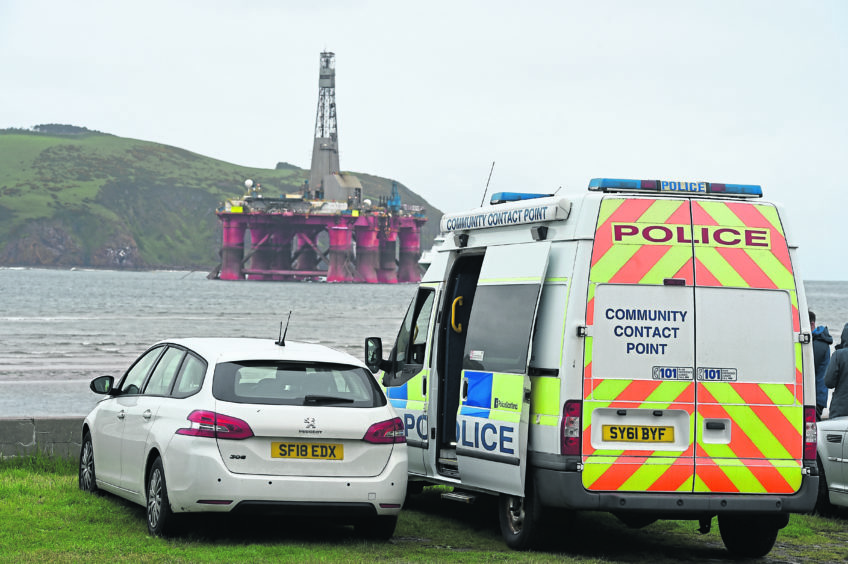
121, 414
147, 414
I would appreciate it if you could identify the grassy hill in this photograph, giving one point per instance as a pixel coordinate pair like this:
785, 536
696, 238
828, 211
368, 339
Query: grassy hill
74, 197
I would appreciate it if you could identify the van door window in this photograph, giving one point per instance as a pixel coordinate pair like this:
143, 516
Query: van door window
411, 342
499, 336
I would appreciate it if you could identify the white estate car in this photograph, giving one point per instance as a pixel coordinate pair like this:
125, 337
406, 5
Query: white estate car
247, 425
833, 464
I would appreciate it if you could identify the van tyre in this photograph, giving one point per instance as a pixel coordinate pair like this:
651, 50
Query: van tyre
520, 519
414, 488
749, 536
379, 527
161, 521
87, 477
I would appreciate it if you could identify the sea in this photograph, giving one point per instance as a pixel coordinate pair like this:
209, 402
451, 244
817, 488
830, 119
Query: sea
59, 329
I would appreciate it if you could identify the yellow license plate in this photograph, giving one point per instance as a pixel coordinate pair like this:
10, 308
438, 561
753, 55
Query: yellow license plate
313, 451
638, 433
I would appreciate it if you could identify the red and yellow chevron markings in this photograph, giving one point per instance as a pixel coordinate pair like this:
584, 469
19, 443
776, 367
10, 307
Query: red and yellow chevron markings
712, 243
640, 241
638, 469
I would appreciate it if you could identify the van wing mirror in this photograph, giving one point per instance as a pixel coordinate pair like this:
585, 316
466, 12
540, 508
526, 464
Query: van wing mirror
373, 353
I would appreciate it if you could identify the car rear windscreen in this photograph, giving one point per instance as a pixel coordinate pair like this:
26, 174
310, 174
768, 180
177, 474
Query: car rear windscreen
296, 383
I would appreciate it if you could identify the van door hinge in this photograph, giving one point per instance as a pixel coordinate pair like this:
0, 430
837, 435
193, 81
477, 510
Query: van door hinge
584, 331
804, 338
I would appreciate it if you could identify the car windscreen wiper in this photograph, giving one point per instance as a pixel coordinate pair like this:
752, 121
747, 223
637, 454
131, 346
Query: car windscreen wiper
316, 399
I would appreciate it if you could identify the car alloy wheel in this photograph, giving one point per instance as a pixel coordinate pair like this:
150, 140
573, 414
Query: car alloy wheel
160, 518
87, 477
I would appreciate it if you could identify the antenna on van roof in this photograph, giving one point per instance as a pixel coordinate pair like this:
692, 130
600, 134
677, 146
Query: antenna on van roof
483, 201
282, 340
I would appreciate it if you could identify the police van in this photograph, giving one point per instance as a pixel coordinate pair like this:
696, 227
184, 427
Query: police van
637, 349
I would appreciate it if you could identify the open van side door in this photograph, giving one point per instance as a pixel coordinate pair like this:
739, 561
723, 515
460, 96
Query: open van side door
408, 381
494, 408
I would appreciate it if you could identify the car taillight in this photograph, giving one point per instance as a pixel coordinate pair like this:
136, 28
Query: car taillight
571, 427
216, 426
810, 431
390, 431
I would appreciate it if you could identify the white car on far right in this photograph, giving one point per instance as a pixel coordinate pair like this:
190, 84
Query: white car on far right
833, 464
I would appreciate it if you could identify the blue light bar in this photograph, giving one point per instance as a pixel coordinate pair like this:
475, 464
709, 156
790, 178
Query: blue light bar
503, 197
674, 186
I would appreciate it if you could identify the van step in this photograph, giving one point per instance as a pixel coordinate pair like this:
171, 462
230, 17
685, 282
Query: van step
449, 472
451, 462
461, 497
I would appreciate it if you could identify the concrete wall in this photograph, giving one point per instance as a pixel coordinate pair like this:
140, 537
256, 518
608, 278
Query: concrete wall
55, 436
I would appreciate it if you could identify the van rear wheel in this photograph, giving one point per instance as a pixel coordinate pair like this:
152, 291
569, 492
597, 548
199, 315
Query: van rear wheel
519, 519
750, 536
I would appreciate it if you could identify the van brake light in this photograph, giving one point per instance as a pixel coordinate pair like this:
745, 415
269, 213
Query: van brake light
810, 430
216, 426
571, 427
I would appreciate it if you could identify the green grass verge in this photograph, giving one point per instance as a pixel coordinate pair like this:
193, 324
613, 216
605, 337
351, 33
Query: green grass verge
44, 517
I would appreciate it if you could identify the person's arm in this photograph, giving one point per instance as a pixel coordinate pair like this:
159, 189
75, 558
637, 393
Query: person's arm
831, 377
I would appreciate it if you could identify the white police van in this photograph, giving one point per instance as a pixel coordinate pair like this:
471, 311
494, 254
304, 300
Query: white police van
636, 349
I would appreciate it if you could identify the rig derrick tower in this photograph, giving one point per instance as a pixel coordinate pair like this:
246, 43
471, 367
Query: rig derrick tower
325, 147
265, 237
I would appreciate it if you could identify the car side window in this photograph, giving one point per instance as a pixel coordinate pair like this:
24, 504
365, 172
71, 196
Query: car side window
190, 378
138, 372
163, 375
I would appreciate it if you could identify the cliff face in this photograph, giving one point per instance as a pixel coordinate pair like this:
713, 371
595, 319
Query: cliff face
51, 243
86, 199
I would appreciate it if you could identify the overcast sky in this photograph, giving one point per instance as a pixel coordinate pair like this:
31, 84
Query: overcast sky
431, 93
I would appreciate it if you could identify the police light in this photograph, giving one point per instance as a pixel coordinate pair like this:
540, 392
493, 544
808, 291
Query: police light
503, 197
674, 186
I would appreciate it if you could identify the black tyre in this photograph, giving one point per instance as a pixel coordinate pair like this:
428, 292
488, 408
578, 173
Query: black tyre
749, 536
87, 477
161, 521
414, 488
520, 519
823, 505
381, 527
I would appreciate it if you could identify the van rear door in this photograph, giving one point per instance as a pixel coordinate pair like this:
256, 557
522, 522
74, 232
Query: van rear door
638, 387
749, 371
694, 334
493, 415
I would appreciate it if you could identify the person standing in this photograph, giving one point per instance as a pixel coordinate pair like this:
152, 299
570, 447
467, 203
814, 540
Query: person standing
821, 353
837, 377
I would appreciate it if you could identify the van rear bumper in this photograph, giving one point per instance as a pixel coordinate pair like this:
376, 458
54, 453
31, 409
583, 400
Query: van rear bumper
561, 488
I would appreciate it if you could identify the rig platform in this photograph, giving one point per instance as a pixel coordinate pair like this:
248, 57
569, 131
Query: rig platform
281, 239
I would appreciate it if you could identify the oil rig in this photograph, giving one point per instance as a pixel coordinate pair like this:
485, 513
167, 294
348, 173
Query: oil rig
326, 231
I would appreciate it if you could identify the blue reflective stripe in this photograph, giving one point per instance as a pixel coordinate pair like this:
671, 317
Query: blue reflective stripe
470, 411
479, 389
397, 392
398, 403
